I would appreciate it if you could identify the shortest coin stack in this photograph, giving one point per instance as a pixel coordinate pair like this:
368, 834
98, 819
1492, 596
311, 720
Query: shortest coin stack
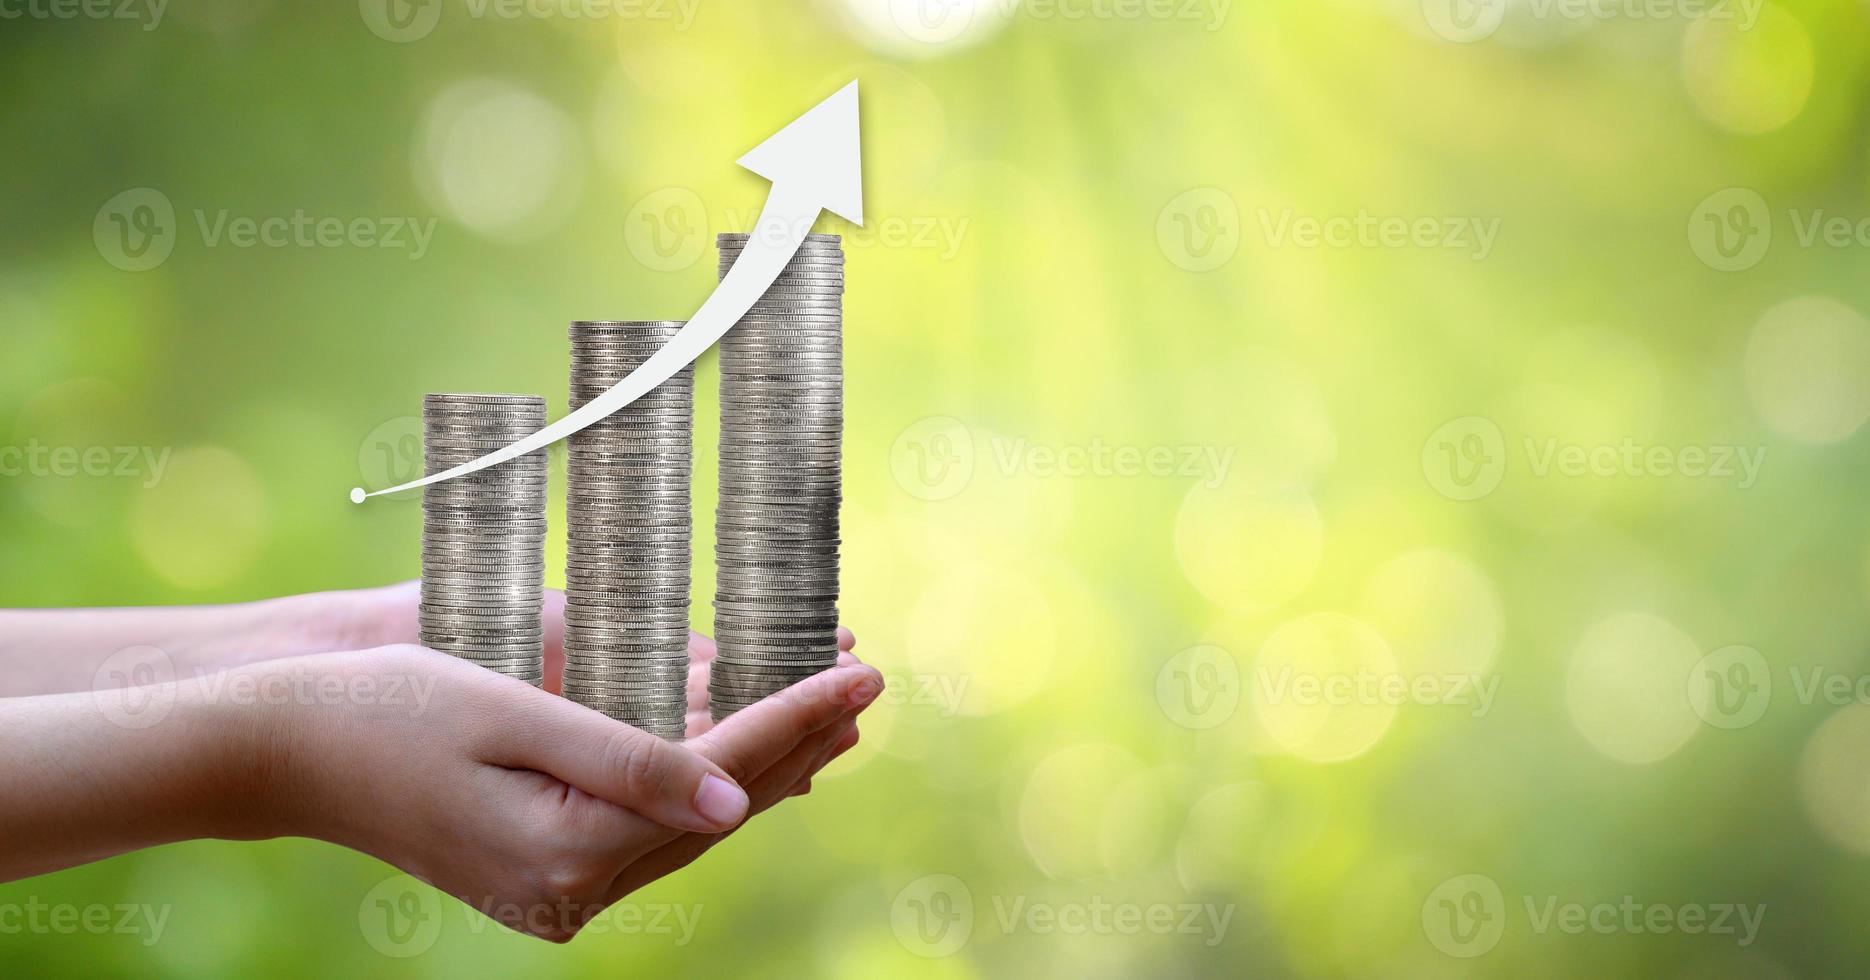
483, 535
627, 522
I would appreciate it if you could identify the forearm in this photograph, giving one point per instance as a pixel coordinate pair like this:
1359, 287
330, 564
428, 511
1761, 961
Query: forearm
85, 776
51, 651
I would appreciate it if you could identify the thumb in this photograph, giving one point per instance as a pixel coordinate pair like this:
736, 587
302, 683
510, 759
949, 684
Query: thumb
658, 780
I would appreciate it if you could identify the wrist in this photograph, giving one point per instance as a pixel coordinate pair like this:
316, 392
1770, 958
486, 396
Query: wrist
301, 753
251, 747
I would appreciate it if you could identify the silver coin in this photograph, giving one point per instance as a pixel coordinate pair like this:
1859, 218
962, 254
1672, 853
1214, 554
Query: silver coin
628, 517
483, 535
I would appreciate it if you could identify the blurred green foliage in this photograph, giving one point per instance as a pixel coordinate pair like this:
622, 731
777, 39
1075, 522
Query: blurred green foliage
1193, 350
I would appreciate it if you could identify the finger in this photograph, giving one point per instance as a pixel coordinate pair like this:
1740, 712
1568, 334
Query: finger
702, 651
661, 781
768, 787
753, 739
838, 747
797, 768
776, 783
700, 722
844, 743
699, 719
698, 675
847, 640
554, 621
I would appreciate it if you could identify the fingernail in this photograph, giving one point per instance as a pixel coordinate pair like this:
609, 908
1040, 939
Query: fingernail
720, 802
865, 690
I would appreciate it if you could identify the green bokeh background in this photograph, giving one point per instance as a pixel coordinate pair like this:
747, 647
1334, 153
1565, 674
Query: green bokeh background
1074, 241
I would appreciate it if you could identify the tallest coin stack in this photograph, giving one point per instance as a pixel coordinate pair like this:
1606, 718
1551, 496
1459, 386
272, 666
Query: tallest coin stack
776, 529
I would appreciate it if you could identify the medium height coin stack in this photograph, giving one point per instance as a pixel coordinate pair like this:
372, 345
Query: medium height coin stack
628, 533
776, 527
483, 535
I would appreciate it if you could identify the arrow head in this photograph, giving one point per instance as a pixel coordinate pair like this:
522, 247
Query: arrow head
818, 155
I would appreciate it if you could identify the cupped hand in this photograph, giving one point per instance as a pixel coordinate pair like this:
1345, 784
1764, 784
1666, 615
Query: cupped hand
533, 809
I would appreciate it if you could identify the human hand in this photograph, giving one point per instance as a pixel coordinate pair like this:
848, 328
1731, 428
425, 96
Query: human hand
535, 810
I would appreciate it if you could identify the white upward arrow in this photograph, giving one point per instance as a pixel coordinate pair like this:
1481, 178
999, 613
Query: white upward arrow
815, 165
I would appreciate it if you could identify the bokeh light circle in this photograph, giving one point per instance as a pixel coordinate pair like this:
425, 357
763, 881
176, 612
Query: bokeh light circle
1808, 369
1141, 818
1440, 613
202, 524
501, 161
1220, 836
1626, 687
1748, 80
1314, 687
1834, 780
925, 28
1245, 549
1062, 810
986, 626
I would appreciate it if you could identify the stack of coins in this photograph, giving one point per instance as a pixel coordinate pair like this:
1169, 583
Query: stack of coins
483, 535
628, 534
776, 529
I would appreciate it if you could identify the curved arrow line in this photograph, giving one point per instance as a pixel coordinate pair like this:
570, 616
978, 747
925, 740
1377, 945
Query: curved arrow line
776, 237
